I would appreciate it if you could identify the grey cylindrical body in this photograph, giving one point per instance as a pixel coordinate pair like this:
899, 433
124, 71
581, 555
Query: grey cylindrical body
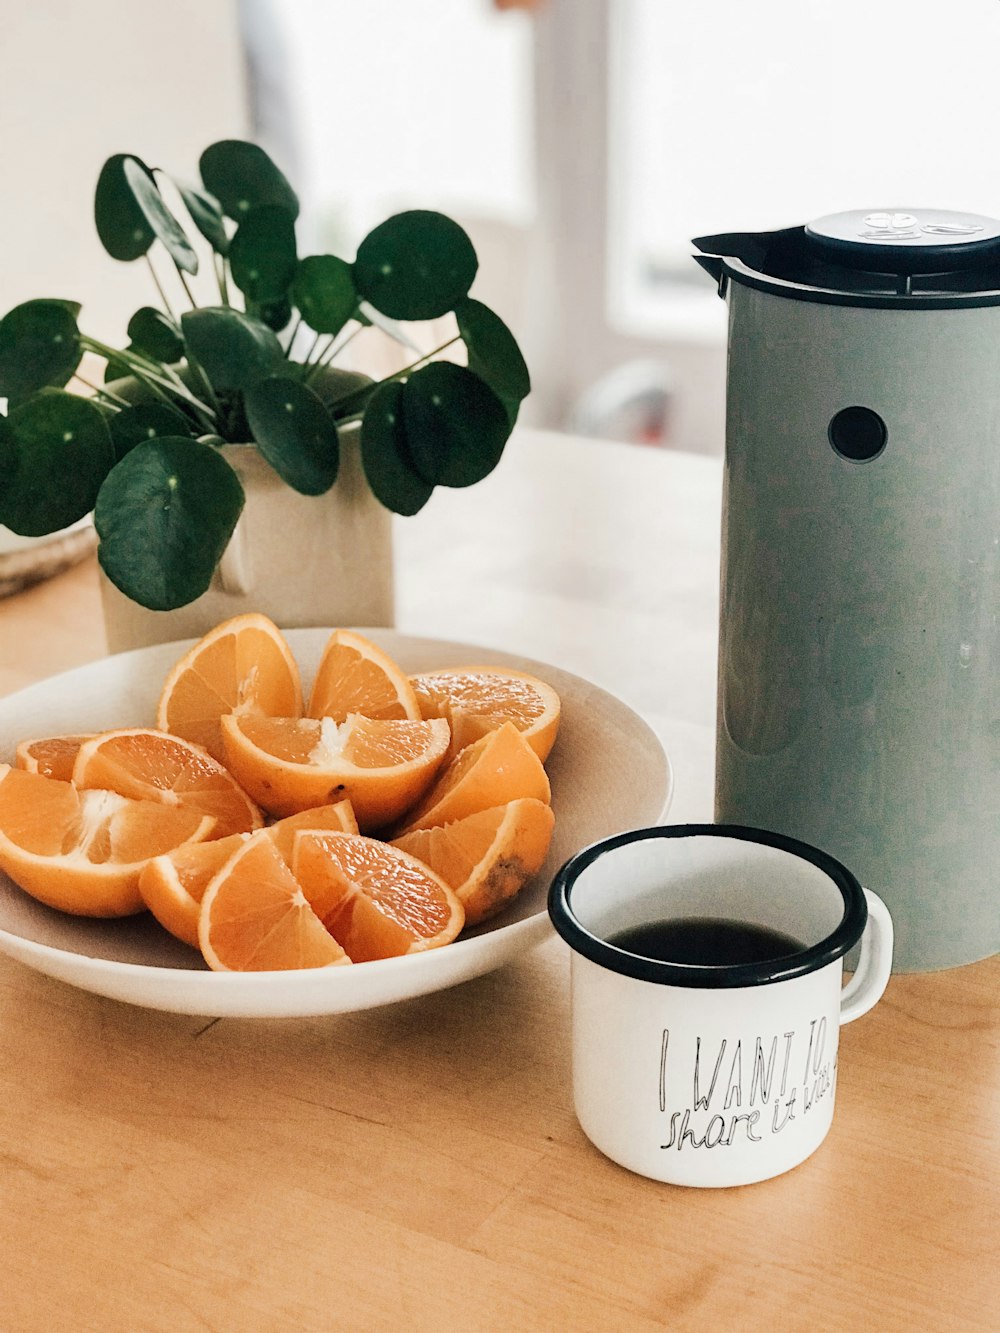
859, 668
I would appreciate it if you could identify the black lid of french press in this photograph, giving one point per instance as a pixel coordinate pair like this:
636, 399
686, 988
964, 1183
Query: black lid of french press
917, 258
905, 240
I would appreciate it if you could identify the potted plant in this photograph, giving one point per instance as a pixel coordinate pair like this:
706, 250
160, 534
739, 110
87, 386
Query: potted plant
208, 404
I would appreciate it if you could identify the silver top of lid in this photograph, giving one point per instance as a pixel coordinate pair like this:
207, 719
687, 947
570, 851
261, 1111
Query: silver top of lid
904, 229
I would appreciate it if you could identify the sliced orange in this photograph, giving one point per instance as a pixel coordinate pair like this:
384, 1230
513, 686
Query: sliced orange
255, 918
150, 765
291, 764
243, 665
356, 676
338, 818
83, 851
52, 756
486, 858
173, 885
374, 899
478, 699
498, 768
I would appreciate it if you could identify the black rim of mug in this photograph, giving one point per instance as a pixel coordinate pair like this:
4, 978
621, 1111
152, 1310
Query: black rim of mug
816, 956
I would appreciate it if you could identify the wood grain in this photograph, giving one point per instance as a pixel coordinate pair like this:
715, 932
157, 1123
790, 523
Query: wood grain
419, 1167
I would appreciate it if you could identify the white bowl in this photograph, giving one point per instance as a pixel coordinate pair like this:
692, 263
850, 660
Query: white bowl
608, 772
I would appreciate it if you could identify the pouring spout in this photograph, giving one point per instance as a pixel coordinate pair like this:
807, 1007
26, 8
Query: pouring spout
711, 264
755, 249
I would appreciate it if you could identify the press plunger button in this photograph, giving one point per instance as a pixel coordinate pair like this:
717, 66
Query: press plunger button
858, 433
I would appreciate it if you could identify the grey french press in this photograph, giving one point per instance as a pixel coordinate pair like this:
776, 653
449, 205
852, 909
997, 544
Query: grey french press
859, 646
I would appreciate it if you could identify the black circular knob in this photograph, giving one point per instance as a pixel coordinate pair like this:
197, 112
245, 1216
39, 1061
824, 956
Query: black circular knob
857, 434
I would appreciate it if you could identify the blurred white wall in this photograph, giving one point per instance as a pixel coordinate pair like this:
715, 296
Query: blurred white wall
78, 82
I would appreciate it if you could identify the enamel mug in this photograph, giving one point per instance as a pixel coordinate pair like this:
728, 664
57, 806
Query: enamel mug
713, 1074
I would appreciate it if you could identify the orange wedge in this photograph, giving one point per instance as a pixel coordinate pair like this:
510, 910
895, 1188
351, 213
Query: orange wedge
255, 918
498, 768
478, 699
243, 665
52, 756
291, 764
355, 676
375, 900
173, 885
486, 858
150, 765
83, 851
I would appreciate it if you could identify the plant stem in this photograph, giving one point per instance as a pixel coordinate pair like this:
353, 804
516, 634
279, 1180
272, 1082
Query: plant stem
294, 334
184, 284
219, 264
331, 352
154, 376
159, 287
308, 355
316, 363
102, 392
361, 394
206, 385
420, 360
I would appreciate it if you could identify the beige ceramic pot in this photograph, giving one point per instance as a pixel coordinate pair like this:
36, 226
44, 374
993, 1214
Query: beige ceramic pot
302, 560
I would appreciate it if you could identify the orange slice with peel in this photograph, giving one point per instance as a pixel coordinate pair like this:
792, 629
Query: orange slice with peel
83, 851
173, 885
153, 766
52, 756
486, 858
478, 699
356, 676
376, 900
255, 918
243, 665
500, 767
291, 764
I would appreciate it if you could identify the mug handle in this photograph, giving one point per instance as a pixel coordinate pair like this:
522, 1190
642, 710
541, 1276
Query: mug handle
874, 966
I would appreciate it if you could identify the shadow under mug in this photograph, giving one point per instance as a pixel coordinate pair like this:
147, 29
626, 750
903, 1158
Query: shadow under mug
713, 1075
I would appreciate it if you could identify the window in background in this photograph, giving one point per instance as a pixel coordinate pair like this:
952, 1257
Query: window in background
397, 106
731, 117
401, 106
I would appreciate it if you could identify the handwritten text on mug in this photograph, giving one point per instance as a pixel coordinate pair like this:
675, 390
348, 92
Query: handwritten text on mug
740, 1092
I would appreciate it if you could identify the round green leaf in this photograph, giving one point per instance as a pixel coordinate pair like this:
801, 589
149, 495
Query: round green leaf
275, 314
416, 265
295, 433
39, 346
165, 226
56, 455
155, 334
122, 225
164, 516
144, 421
232, 348
262, 255
8, 453
456, 426
324, 293
206, 215
242, 176
385, 457
493, 353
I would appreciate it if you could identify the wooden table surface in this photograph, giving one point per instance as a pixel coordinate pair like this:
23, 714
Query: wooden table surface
419, 1166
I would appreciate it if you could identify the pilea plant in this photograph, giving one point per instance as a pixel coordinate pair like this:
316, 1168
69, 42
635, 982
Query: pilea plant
146, 449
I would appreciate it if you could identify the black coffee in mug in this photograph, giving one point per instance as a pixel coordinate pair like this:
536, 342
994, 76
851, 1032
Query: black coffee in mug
705, 942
